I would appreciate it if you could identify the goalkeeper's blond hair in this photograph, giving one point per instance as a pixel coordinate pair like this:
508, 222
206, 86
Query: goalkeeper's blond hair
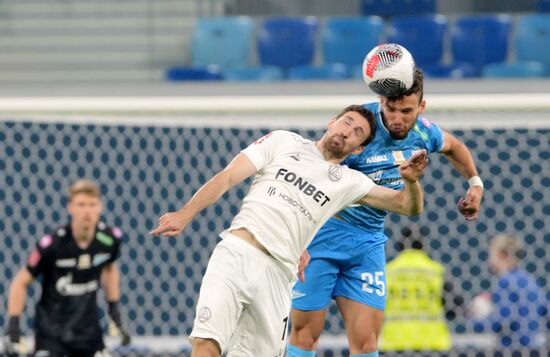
84, 186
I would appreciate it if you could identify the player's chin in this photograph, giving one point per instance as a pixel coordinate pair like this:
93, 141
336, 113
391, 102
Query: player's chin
336, 149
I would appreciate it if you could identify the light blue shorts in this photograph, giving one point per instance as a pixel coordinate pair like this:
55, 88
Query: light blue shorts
345, 261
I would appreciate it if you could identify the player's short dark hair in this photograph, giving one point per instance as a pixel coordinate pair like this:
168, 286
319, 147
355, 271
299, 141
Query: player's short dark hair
417, 87
84, 186
365, 113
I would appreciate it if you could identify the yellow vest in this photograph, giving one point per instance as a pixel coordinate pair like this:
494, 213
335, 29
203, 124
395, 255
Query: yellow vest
414, 311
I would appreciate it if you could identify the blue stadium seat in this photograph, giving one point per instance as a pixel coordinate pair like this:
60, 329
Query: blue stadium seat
223, 41
348, 39
210, 73
532, 39
451, 70
543, 5
480, 40
397, 7
513, 70
334, 71
422, 35
262, 74
287, 41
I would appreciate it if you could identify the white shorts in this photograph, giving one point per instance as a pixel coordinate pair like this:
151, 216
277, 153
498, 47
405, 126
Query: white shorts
244, 301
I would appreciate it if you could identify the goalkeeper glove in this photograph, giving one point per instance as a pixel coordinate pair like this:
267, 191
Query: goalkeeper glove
12, 347
115, 324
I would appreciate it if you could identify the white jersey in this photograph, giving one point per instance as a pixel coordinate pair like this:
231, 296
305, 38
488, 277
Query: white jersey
294, 192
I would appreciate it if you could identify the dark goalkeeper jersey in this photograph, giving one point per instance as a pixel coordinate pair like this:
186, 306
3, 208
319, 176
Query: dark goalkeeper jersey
68, 310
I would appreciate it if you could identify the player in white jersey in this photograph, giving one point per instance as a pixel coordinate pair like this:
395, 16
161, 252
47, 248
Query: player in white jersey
246, 291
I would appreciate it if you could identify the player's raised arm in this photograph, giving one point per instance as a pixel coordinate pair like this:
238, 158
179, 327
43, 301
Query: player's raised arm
410, 200
460, 157
173, 223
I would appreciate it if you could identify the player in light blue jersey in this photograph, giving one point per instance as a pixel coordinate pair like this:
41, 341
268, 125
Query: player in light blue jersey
348, 253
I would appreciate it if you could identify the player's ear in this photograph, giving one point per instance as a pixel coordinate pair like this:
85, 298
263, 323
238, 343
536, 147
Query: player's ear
69, 208
422, 107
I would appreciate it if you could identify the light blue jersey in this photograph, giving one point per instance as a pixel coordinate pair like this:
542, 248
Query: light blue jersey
380, 161
347, 256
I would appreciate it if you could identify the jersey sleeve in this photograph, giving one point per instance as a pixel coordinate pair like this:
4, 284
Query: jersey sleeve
262, 151
117, 234
42, 256
361, 185
431, 133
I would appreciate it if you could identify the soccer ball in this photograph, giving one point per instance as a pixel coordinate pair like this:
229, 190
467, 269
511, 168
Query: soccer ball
388, 70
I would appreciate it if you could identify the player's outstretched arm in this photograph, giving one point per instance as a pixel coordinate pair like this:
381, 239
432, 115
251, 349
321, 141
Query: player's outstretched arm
173, 223
410, 200
16, 305
461, 158
110, 280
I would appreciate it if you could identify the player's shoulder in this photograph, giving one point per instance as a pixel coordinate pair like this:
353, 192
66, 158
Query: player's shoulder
424, 123
108, 235
278, 136
372, 106
50, 240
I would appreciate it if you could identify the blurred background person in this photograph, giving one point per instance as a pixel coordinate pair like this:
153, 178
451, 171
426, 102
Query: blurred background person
516, 308
72, 261
415, 316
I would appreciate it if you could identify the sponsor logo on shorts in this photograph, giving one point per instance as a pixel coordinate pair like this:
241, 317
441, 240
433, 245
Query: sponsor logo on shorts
204, 314
296, 294
271, 191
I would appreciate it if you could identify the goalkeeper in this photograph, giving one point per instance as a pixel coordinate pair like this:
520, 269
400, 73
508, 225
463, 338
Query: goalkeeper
72, 261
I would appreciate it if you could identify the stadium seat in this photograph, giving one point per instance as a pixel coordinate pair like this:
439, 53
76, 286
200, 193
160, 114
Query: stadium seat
222, 41
348, 39
481, 39
513, 70
334, 71
388, 8
543, 5
532, 39
287, 41
451, 70
262, 74
422, 35
210, 73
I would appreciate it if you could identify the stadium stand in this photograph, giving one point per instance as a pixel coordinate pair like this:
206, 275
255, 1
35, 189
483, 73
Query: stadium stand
480, 40
532, 39
287, 42
513, 70
388, 8
347, 40
412, 32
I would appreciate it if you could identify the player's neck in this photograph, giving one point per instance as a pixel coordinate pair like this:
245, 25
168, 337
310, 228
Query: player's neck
327, 154
83, 236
